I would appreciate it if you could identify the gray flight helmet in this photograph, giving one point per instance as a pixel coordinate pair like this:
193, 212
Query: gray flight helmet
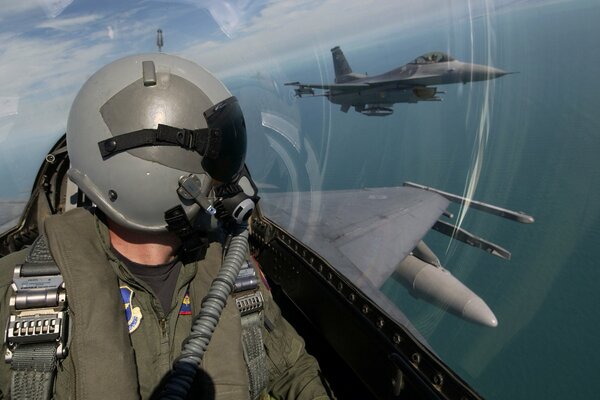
131, 134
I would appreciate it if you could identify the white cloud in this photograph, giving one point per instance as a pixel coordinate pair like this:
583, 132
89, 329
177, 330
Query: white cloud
33, 65
54, 8
51, 8
8, 106
12, 8
285, 29
65, 24
43, 73
230, 15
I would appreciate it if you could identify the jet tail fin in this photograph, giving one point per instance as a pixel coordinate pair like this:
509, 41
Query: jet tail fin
340, 65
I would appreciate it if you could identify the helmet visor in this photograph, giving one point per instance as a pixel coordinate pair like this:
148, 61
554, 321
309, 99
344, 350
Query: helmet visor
226, 121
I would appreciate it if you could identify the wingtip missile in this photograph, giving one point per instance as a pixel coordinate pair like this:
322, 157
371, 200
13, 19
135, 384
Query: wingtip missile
438, 286
518, 216
302, 91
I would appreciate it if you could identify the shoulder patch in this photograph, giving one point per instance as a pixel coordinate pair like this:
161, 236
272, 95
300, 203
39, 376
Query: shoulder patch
186, 306
133, 314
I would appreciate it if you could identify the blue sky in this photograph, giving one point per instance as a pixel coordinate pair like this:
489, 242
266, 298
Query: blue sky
48, 48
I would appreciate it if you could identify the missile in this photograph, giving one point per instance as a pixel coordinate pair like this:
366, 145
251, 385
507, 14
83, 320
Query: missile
438, 286
517, 216
304, 90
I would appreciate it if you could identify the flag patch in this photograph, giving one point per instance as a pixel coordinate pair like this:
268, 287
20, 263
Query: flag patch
186, 306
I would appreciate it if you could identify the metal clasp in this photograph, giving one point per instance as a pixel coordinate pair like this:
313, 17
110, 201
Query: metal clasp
37, 313
250, 303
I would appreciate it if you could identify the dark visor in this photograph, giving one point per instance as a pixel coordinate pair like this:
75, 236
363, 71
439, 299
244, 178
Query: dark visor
222, 145
226, 121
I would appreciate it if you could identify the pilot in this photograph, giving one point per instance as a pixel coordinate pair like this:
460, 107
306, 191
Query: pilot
150, 292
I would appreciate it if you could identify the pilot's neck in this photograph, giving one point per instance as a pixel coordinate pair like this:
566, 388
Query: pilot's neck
143, 248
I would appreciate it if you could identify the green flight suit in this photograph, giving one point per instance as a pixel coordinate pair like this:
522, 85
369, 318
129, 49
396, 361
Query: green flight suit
106, 361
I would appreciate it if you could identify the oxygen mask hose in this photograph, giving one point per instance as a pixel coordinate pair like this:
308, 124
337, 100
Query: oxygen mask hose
186, 366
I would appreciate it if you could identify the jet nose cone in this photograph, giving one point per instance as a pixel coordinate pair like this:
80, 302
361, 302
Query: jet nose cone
477, 311
497, 72
483, 73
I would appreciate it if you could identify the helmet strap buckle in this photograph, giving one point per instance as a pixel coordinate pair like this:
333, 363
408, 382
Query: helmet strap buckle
191, 187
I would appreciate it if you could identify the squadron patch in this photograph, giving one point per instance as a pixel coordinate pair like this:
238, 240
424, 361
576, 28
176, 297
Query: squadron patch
133, 314
186, 306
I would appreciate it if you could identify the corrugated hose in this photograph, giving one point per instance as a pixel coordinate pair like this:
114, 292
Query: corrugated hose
186, 366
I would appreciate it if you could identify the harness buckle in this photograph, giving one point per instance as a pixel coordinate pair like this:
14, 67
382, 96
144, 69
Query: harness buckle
250, 303
37, 313
36, 326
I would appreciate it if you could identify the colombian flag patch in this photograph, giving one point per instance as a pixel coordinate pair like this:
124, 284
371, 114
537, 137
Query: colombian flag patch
186, 306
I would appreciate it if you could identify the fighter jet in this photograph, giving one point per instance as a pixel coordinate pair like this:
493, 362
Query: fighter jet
410, 83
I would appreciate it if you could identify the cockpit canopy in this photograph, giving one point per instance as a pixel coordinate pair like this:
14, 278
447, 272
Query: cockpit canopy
432, 58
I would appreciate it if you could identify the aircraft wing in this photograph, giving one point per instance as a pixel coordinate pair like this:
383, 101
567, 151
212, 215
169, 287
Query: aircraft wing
303, 89
407, 82
328, 86
363, 233
307, 88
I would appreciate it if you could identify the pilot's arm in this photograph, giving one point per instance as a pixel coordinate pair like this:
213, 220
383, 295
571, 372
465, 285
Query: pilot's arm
293, 373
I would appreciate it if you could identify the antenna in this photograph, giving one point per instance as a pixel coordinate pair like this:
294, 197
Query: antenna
159, 40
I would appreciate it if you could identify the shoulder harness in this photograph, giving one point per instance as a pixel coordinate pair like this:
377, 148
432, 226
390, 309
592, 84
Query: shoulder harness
249, 301
36, 332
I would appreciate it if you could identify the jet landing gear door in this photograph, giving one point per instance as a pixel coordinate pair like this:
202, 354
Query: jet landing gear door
366, 347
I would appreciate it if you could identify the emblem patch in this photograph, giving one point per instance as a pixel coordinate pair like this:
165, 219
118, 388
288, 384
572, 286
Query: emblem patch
133, 314
186, 306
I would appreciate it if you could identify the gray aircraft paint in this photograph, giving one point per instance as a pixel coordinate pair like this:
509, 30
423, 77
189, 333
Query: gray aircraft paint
350, 227
410, 83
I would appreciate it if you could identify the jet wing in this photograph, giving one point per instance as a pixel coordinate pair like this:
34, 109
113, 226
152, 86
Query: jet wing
362, 233
306, 88
406, 83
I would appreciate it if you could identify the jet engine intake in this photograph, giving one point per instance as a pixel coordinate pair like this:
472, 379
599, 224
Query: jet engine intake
425, 93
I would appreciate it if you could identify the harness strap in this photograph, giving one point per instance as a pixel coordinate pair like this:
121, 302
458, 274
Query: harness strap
33, 368
36, 330
254, 353
249, 301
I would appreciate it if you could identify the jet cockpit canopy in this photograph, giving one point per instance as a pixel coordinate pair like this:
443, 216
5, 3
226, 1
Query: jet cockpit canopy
432, 58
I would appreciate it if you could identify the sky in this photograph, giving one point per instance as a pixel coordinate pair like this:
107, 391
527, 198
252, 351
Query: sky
48, 48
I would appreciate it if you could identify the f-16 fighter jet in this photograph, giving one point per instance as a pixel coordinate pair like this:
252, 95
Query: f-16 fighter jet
410, 83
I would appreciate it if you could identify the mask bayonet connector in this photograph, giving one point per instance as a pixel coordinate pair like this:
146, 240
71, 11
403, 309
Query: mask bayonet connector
191, 187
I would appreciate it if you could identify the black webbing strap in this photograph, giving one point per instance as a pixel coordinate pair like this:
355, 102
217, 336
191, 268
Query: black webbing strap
33, 359
33, 367
206, 142
192, 241
249, 301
